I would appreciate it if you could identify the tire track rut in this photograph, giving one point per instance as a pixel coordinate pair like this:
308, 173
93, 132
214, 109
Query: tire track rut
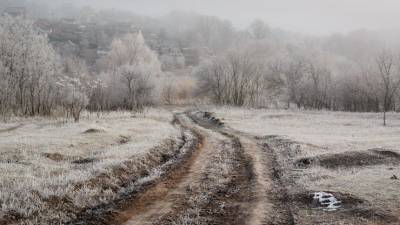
271, 201
211, 187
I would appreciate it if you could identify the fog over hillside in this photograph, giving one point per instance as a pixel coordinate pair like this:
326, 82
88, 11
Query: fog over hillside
306, 16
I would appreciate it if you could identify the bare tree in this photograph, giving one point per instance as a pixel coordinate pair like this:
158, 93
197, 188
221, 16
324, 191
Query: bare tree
74, 87
233, 79
389, 75
169, 92
294, 76
137, 81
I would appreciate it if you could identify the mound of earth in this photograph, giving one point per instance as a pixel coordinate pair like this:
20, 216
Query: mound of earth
211, 118
351, 210
123, 139
93, 130
84, 161
352, 159
55, 156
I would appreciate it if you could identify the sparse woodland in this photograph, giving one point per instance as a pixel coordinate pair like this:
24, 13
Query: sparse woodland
257, 67
37, 81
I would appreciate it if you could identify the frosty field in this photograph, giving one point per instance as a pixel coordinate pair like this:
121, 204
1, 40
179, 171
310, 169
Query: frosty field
331, 131
345, 153
45, 162
224, 165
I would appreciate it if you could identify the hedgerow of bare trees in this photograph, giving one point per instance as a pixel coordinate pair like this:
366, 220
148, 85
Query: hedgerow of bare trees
305, 78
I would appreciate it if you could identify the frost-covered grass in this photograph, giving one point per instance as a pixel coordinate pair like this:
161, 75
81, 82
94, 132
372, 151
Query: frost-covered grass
47, 158
327, 131
319, 133
371, 183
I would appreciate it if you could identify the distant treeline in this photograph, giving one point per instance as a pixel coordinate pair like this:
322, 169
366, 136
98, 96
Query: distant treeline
257, 66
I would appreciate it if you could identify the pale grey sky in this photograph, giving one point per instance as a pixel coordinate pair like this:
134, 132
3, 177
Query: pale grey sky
306, 16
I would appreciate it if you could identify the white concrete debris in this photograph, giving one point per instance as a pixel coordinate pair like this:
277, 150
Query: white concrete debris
327, 201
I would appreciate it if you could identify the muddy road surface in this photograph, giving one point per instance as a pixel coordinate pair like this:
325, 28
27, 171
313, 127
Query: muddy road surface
226, 180
213, 186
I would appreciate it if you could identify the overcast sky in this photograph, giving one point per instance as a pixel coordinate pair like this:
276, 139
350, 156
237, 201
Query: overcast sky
306, 16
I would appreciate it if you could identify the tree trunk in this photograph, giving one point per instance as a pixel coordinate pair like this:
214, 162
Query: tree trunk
384, 117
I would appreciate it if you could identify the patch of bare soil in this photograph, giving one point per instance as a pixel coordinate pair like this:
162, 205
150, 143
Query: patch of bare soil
280, 116
7, 158
58, 157
306, 199
207, 119
352, 210
55, 156
84, 161
93, 131
352, 159
123, 139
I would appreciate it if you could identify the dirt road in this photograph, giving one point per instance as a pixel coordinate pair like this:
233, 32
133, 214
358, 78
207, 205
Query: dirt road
228, 179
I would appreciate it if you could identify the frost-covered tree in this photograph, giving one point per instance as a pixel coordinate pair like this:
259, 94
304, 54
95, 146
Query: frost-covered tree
29, 69
132, 68
76, 86
138, 84
132, 50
